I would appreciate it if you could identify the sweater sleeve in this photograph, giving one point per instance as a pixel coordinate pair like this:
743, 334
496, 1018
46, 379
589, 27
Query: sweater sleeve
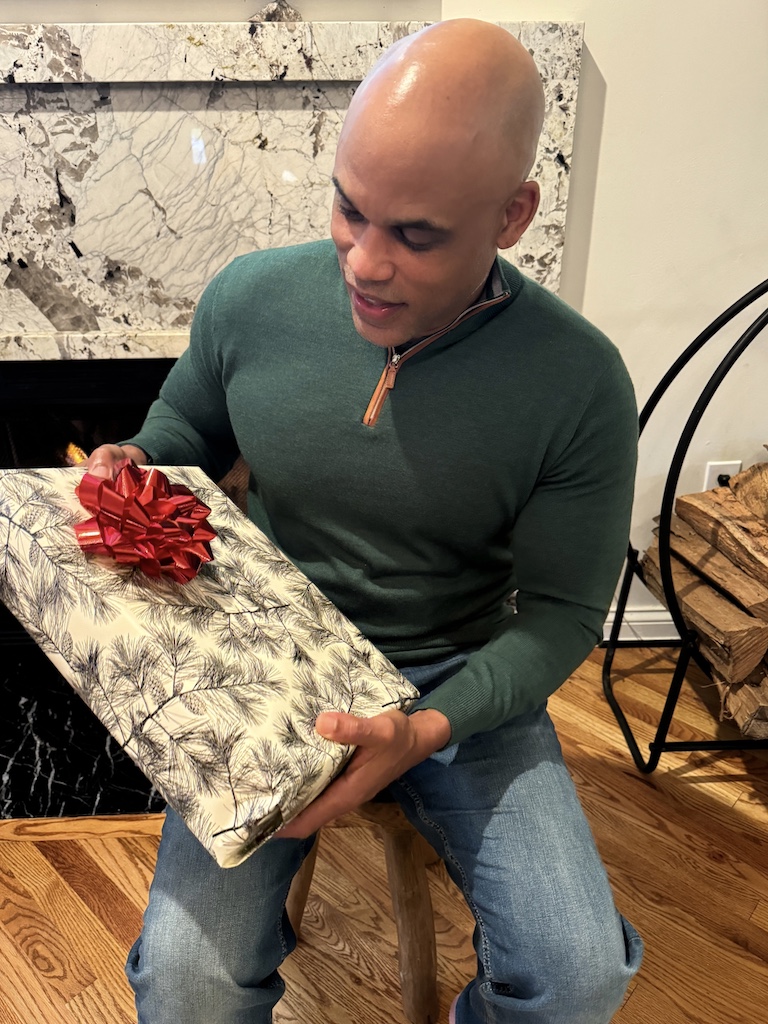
189, 423
569, 543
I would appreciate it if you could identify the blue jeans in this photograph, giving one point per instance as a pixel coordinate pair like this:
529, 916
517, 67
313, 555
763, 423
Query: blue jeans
501, 810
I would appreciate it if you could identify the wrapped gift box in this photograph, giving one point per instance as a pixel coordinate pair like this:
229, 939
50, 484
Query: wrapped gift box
212, 687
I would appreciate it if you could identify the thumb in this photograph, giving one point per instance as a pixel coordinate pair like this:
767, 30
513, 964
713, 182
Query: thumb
340, 727
102, 460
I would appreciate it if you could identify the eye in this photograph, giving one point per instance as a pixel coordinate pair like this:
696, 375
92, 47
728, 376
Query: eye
349, 213
416, 240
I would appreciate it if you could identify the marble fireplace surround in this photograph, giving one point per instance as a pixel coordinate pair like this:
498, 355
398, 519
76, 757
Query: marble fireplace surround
137, 160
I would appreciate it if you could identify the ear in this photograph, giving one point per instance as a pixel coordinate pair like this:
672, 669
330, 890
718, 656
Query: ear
518, 214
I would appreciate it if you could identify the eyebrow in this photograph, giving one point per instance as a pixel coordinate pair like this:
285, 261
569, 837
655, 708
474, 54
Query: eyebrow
415, 225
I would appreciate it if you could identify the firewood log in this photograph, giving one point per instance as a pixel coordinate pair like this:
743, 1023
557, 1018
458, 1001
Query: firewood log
751, 488
731, 640
746, 703
704, 559
720, 518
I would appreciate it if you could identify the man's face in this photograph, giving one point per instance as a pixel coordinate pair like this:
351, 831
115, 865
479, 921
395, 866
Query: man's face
414, 232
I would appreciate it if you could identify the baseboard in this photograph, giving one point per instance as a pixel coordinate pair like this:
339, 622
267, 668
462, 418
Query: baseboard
646, 624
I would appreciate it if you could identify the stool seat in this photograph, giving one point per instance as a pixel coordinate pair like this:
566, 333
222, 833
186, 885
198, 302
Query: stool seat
406, 853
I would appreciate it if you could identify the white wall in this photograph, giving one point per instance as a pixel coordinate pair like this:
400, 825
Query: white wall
211, 10
668, 221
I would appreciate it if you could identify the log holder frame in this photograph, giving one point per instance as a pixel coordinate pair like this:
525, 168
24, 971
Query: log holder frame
687, 641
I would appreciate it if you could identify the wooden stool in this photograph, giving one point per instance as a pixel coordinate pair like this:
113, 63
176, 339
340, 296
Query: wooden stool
407, 853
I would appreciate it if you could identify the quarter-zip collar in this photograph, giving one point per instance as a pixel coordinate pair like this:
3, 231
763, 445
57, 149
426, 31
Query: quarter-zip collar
498, 292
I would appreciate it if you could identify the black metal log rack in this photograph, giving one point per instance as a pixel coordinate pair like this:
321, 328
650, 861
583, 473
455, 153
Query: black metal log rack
687, 640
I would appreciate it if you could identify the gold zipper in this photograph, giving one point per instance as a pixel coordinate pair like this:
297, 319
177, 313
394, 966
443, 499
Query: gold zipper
385, 385
396, 359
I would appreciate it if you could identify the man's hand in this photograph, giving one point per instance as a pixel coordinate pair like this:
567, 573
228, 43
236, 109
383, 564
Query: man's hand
103, 459
387, 745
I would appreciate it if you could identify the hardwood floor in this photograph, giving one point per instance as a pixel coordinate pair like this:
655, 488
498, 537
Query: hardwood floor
685, 849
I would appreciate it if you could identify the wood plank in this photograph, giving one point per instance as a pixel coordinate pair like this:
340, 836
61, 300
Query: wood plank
82, 932
72, 862
107, 999
760, 915
128, 862
686, 856
733, 641
750, 810
37, 939
662, 828
698, 973
33, 829
650, 1004
25, 997
720, 518
642, 696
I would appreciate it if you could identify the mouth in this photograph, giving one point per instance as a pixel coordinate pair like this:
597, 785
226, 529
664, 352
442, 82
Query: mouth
372, 310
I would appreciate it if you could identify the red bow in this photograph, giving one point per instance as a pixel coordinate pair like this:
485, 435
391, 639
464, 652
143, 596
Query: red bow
141, 519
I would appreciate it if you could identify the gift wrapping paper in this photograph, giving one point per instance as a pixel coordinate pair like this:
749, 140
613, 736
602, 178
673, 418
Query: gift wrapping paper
212, 686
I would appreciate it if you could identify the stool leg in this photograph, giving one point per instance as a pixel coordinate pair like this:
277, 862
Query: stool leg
427, 852
415, 924
297, 894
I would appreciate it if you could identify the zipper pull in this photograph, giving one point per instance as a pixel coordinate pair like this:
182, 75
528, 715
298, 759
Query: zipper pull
385, 385
391, 370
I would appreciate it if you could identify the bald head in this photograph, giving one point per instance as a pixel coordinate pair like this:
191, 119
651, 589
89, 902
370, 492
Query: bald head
461, 87
431, 176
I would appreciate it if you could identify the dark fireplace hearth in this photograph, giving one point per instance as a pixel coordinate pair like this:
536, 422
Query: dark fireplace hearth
55, 757
45, 405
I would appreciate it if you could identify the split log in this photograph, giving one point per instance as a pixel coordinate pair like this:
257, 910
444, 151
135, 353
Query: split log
720, 518
731, 640
699, 555
751, 488
746, 703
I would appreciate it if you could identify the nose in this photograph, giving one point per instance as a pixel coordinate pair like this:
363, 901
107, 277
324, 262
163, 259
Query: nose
369, 257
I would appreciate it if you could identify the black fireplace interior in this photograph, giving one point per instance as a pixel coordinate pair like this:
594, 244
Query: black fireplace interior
45, 405
55, 757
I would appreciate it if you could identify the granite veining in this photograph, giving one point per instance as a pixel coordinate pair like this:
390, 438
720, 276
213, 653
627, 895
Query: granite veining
56, 758
137, 160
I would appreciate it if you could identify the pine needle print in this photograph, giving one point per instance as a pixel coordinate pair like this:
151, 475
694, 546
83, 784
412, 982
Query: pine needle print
212, 687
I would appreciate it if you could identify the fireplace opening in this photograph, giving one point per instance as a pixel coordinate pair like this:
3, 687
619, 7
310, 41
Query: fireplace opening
55, 756
46, 405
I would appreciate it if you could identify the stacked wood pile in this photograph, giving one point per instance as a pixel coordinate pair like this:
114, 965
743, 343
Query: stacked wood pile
719, 544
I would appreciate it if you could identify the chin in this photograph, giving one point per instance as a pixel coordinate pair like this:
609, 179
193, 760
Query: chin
381, 337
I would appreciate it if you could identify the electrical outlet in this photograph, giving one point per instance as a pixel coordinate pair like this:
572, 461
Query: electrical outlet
717, 469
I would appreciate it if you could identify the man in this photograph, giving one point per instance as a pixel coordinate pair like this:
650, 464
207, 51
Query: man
463, 435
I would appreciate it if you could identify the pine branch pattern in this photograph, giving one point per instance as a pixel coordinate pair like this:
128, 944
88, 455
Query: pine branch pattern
213, 687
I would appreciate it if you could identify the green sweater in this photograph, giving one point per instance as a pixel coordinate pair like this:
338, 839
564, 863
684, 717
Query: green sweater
502, 460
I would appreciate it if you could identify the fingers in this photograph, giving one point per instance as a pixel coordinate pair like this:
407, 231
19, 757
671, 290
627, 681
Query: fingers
382, 755
320, 812
102, 460
344, 794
